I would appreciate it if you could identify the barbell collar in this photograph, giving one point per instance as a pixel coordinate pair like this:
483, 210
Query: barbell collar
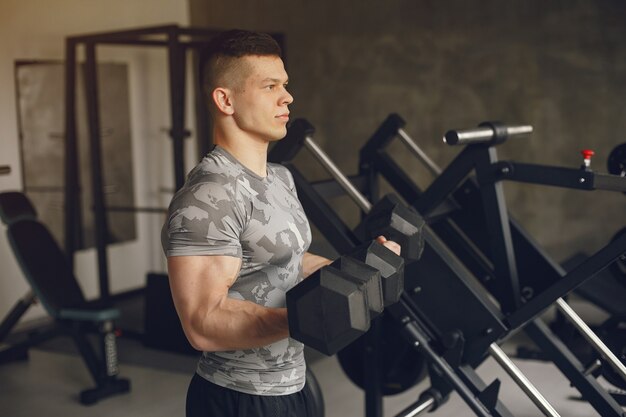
488, 132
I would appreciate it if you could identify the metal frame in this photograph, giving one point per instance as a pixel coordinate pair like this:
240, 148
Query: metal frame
178, 41
422, 319
448, 193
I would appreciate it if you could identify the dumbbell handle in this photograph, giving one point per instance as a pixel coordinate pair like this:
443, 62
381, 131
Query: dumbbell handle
487, 132
330, 166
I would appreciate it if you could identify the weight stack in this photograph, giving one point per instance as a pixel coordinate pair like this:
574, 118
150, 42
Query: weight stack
162, 329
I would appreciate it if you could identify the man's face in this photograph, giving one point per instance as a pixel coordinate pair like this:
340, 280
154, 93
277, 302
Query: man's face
260, 100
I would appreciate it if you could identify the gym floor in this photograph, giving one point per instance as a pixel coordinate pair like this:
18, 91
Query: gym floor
48, 384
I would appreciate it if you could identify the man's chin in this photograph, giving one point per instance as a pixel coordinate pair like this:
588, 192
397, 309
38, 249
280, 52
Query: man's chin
278, 136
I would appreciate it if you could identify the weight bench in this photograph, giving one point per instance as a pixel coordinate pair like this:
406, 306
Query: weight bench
53, 283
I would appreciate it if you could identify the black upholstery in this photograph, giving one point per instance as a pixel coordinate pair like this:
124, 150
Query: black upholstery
53, 282
49, 274
45, 266
15, 206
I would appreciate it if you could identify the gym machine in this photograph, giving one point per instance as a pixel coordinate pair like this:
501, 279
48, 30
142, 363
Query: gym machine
54, 285
453, 345
524, 278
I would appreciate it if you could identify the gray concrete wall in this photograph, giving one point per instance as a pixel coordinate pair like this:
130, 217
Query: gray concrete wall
560, 66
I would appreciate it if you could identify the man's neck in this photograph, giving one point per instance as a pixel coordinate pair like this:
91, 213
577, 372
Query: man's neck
250, 153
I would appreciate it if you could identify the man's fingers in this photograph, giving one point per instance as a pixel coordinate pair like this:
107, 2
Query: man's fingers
389, 244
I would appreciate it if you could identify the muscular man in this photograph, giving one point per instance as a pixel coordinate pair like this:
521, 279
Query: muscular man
236, 241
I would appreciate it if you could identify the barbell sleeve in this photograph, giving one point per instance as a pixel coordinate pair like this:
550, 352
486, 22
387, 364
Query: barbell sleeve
520, 379
485, 133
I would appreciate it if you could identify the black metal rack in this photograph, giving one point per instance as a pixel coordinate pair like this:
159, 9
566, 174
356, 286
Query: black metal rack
476, 206
427, 314
179, 42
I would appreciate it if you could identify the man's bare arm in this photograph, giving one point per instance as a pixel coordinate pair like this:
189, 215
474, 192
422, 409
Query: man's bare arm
212, 321
311, 263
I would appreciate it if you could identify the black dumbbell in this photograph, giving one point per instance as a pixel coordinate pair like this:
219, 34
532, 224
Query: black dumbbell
329, 309
333, 307
390, 266
389, 217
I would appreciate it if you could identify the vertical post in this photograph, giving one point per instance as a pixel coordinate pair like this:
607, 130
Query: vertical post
203, 122
176, 61
373, 358
97, 183
71, 153
372, 364
498, 230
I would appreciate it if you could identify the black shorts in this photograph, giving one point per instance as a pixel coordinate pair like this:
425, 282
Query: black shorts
205, 399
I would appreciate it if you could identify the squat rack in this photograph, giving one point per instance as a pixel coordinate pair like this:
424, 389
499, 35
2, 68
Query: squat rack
179, 41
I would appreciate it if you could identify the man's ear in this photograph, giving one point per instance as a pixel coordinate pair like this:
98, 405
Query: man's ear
223, 100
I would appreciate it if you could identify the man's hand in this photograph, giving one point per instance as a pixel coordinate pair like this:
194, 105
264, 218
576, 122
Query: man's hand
389, 244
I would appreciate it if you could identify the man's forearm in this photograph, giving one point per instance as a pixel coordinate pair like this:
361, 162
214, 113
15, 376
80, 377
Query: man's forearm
237, 324
311, 263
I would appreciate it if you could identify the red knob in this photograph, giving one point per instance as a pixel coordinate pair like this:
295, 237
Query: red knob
587, 153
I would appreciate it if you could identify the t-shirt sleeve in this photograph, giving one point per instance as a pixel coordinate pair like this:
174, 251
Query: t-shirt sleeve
205, 219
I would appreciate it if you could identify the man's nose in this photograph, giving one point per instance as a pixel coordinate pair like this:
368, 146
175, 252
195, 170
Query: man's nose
288, 98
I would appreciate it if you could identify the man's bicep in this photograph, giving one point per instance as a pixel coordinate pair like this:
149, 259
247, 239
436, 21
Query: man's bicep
200, 281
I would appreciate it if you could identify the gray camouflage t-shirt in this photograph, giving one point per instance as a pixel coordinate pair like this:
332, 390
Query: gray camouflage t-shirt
226, 209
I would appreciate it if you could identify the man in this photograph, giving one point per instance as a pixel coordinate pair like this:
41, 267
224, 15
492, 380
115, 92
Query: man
236, 241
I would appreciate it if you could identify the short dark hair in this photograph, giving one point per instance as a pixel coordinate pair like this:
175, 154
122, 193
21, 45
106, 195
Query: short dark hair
223, 50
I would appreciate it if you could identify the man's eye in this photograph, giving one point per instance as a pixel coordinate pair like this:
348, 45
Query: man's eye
270, 87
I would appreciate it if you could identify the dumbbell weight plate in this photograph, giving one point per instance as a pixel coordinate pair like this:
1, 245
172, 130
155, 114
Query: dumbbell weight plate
368, 278
390, 265
391, 218
402, 366
328, 310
